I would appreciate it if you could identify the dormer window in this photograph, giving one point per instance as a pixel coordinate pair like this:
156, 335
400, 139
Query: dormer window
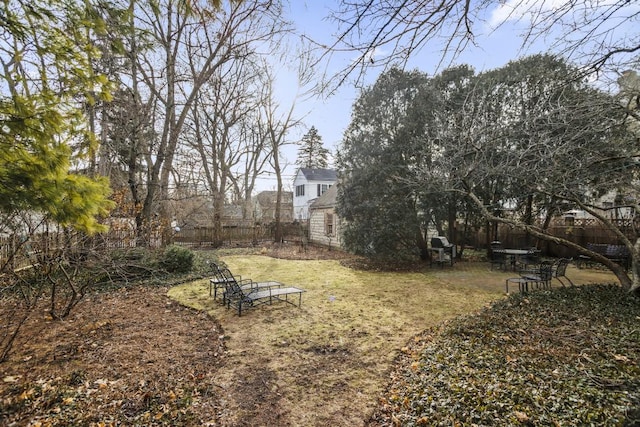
322, 188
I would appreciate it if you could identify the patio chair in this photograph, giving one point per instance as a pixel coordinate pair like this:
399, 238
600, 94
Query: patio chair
498, 259
528, 263
540, 277
496, 244
240, 297
560, 270
216, 281
220, 276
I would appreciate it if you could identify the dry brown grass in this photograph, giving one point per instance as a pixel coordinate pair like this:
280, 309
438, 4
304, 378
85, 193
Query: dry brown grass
326, 363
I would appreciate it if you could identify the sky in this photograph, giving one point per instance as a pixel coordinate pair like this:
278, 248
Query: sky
331, 116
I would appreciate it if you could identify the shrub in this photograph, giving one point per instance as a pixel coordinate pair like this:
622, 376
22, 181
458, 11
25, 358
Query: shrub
176, 259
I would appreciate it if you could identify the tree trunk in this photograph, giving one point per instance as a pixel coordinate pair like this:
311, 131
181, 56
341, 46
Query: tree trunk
277, 224
421, 244
452, 220
218, 213
488, 237
528, 219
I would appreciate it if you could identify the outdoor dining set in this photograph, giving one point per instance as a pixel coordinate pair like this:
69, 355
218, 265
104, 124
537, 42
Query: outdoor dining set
533, 272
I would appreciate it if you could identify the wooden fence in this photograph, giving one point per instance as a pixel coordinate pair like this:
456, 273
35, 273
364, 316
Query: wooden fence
207, 236
579, 231
18, 252
238, 236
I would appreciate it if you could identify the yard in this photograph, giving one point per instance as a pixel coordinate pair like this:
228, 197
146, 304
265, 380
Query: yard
326, 363
135, 357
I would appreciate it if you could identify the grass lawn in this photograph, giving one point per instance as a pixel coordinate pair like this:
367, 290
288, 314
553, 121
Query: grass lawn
328, 362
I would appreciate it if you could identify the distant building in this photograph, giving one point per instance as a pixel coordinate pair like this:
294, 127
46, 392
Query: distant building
265, 207
612, 205
309, 184
199, 212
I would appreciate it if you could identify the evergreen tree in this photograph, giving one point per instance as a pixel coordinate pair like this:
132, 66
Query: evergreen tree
43, 125
376, 162
311, 153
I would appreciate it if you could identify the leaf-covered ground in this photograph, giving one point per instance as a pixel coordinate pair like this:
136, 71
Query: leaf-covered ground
126, 357
566, 357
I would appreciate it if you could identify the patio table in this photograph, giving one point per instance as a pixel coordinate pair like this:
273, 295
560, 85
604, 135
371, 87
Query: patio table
513, 255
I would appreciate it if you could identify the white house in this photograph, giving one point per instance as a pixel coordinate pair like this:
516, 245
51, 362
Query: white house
309, 184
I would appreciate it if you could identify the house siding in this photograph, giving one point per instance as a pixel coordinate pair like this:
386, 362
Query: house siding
317, 228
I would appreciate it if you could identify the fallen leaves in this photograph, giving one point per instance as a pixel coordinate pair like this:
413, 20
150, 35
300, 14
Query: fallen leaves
12, 378
112, 382
521, 416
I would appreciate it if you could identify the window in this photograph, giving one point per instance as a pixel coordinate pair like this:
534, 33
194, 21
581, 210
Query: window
328, 224
299, 190
322, 188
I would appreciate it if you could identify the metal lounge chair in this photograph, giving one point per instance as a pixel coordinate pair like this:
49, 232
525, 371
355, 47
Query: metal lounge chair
219, 276
216, 281
240, 296
223, 276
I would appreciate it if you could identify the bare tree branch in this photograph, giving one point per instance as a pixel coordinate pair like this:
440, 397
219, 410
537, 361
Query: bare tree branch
600, 35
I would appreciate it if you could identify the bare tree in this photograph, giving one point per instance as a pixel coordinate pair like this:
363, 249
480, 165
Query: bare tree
599, 34
220, 116
276, 120
187, 43
236, 129
255, 154
276, 126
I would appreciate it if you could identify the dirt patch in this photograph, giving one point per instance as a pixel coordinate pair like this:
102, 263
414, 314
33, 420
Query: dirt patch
133, 356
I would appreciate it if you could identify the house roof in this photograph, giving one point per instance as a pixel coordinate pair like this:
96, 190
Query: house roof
319, 174
327, 200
